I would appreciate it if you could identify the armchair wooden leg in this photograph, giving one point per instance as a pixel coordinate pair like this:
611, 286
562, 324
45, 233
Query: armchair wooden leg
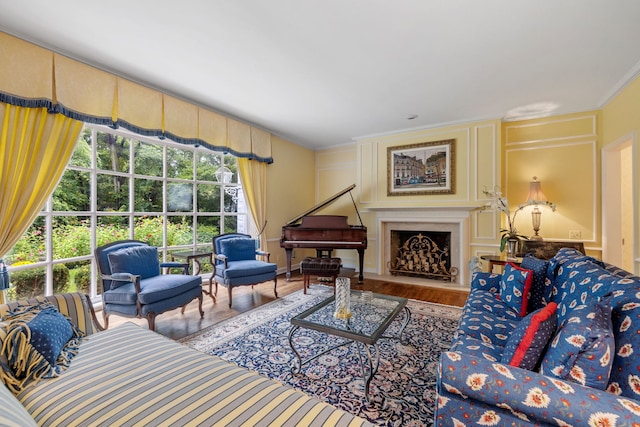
275, 284
151, 319
105, 316
214, 296
200, 306
229, 290
184, 307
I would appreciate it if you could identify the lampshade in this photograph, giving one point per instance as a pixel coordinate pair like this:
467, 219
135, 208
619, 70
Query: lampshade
535, 192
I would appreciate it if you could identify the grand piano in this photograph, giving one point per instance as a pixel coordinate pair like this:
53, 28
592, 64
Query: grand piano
324, 233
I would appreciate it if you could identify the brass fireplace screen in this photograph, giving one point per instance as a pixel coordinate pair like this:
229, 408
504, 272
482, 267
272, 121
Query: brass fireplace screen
420, 255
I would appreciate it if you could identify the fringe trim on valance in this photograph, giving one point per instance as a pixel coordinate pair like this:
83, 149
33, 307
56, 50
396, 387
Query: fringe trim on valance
26, 102
107, 121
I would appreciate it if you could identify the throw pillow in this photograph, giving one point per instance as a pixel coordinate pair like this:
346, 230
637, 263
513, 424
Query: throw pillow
541, 288
238, 249
514, 287
38, 342
580, 283
142, 261
582, 350
625, 317
527, 342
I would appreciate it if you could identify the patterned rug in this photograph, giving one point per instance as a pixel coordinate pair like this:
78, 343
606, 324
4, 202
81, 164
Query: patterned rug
403, 390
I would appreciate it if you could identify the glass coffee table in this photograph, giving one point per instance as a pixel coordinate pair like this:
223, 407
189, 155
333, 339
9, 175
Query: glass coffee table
371, 315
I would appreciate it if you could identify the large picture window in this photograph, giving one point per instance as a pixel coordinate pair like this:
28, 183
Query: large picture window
123, 186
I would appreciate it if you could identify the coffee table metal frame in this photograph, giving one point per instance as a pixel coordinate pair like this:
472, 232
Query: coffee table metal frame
358, 329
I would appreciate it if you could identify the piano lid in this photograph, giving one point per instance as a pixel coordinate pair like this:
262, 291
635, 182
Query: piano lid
326, 203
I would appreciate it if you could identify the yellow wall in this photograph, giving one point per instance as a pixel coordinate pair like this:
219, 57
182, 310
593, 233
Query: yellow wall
290, 191
477, 166
562, 152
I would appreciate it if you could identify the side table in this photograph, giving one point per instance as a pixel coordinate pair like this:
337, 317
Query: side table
501, 260
193, 259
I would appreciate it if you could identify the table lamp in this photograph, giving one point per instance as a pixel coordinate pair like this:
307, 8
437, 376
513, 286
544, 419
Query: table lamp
535, 197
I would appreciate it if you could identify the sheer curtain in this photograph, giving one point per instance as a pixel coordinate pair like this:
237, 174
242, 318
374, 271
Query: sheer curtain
35, 147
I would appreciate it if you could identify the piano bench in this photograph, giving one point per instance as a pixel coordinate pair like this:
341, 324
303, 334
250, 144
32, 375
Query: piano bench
321, 267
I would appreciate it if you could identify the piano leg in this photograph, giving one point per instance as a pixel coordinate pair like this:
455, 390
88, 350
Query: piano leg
361, 259
289, 252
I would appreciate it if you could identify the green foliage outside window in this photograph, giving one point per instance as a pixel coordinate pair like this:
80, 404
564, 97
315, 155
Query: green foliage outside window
179, 199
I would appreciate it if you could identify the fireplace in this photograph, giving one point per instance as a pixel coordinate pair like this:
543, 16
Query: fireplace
435, 222
421, 253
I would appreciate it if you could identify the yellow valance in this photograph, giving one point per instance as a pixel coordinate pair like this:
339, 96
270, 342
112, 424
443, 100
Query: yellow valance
31, 76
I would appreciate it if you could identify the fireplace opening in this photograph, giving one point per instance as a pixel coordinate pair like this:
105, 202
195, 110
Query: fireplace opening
424, 253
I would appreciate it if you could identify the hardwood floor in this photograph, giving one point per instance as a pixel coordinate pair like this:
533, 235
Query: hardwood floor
175, 325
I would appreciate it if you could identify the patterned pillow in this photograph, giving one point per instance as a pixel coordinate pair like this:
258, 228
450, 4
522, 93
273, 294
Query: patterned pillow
37, 342
514, 287
625, 317
485, 281
580, 282
565, 255
582, 350
527, 342
540, 293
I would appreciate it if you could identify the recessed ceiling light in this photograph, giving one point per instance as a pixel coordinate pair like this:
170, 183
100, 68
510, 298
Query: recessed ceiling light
412, 116
531, 111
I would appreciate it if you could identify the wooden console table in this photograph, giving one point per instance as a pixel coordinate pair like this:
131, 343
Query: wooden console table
542, 249
501, 260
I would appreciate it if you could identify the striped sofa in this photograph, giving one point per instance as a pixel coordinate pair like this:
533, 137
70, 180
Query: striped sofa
130, 376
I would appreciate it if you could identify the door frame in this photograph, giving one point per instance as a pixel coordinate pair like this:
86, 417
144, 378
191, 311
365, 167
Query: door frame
611, 229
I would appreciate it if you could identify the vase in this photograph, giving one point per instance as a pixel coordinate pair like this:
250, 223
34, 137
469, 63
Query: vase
343, 298
512, 248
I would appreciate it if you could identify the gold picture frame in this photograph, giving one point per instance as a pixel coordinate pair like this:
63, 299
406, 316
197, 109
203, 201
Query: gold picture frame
422, 168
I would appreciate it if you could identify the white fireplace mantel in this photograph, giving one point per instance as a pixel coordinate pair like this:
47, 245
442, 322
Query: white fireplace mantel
452, 219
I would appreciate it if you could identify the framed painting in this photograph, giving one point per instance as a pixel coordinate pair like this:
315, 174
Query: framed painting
422, 168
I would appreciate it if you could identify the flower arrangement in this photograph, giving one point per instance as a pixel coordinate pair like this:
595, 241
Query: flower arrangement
499, 203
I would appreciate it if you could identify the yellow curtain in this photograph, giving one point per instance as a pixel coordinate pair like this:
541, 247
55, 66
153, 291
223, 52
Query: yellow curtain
254, 182
35, 147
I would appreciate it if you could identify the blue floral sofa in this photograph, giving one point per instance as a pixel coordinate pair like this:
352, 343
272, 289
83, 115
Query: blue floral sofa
547, 343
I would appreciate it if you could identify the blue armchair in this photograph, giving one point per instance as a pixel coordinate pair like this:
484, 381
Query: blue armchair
133, 285
236, 263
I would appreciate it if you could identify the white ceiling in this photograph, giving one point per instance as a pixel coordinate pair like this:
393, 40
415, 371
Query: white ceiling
323, 72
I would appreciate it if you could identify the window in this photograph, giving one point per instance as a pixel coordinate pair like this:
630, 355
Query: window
123, 186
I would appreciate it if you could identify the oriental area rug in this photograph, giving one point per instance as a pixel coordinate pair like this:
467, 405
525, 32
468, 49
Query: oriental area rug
403, 390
